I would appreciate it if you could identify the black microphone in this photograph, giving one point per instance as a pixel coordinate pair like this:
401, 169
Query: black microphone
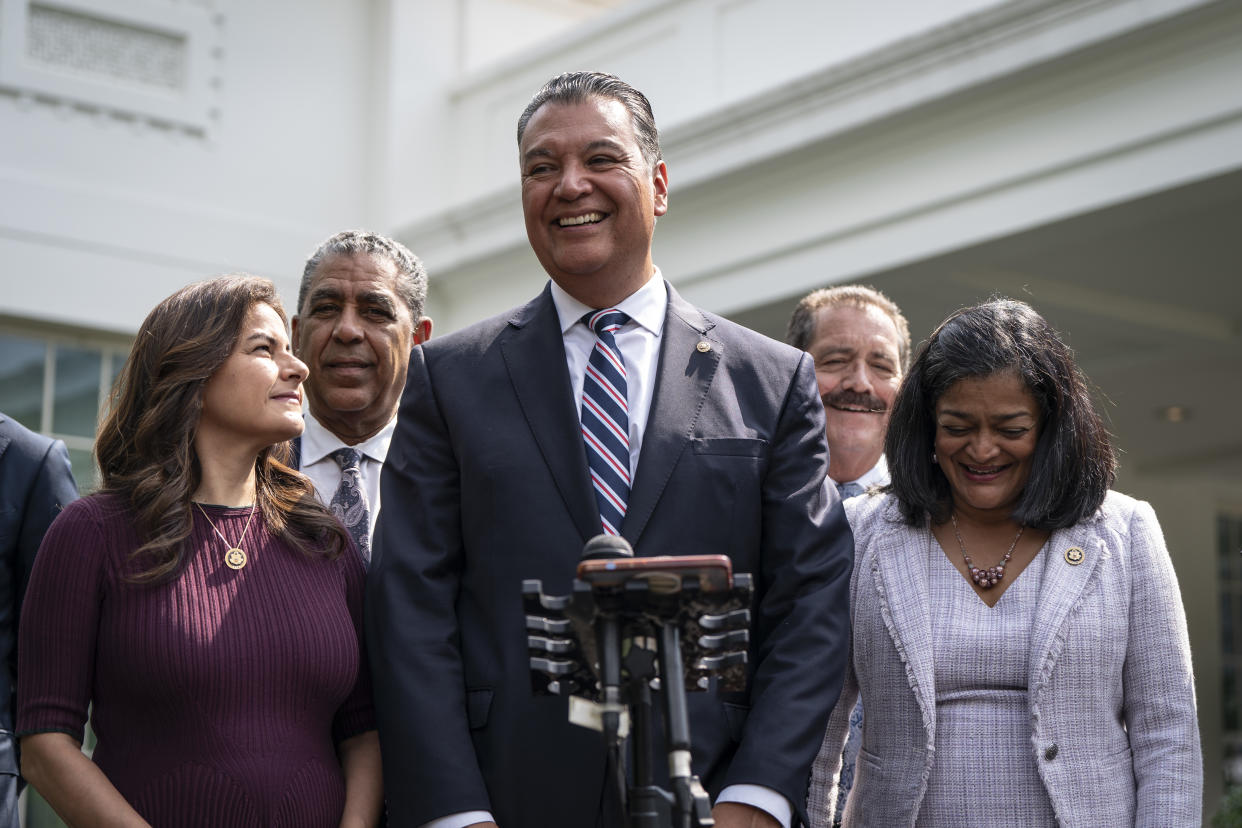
607, 546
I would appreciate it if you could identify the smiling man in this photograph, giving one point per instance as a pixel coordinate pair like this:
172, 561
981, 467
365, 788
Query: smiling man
607, 404
860, 342
360, 311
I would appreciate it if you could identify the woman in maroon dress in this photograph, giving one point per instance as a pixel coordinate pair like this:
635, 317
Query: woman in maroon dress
204, 602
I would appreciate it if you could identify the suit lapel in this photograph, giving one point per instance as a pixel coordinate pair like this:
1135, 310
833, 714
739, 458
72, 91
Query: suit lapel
683, 376
534, 354
1062, 588
4, 436
900, 574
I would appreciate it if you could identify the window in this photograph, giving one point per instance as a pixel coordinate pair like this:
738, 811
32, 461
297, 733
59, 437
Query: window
57, 384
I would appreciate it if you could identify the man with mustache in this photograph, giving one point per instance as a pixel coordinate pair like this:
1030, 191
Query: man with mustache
861, 346
360, 311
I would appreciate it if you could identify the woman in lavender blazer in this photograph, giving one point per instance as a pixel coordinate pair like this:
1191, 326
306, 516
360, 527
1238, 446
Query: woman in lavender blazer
1019, 640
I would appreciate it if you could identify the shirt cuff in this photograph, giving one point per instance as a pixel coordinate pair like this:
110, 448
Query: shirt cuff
763, 798
461, 820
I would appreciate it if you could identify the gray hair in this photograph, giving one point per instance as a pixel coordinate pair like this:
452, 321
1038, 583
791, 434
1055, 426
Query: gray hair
802, 323
411, 282
579, 87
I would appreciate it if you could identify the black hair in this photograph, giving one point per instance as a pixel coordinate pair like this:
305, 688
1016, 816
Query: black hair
579, 87
1073, 466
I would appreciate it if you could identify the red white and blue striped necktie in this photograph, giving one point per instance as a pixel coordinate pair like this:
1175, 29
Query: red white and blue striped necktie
606, 419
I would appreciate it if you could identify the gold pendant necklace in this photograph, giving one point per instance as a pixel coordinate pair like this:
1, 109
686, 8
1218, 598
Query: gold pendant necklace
234, 555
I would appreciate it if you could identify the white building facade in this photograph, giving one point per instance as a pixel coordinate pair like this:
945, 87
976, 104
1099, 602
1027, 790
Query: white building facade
1084, 155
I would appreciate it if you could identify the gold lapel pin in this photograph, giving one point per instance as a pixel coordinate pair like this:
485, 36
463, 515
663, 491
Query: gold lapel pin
1074, 556
703, 347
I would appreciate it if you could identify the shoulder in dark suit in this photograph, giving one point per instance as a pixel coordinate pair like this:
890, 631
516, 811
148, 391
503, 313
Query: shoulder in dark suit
36, 482
486, 484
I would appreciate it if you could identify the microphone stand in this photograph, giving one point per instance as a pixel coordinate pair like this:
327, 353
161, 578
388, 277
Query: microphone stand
696, 628
693, 805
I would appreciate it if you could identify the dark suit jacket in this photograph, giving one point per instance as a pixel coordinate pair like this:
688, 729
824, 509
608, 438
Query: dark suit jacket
486, 484
35, 484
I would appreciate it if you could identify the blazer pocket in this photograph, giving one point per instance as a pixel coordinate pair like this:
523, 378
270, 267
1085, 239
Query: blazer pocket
730, 446
735, 715
870, 759
478, 706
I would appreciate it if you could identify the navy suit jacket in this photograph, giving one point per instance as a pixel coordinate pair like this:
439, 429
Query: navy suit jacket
486, 484
36, 482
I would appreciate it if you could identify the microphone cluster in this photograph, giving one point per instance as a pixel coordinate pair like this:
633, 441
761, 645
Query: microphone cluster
697, 593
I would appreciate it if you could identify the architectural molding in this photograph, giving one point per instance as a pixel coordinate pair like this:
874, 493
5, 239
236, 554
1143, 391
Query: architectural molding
156, 65
985, 47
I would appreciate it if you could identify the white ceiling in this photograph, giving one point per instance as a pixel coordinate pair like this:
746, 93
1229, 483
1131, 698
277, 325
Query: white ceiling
1148, 293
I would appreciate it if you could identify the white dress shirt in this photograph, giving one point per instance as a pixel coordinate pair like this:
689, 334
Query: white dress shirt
318, 443
639, 343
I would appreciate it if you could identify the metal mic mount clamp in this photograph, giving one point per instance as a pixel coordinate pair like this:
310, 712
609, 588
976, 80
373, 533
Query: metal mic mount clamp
633, 624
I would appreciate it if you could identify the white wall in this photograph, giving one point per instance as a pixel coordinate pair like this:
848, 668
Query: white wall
103, 213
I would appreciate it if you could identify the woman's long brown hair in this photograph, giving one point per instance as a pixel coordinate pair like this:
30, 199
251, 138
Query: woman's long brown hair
145, 447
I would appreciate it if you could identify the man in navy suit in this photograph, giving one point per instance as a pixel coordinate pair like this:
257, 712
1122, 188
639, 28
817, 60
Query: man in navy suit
36, 482
489, 480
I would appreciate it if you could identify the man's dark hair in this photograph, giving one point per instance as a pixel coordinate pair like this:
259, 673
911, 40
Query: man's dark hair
1073, 466
411, 280
579, 87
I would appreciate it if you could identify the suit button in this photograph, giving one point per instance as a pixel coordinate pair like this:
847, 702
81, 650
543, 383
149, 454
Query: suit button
1050, 752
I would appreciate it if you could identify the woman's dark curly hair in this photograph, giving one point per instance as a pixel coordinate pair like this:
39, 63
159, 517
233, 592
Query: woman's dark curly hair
145, 447
1073, 466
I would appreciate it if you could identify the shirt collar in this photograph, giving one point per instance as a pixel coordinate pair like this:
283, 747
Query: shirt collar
318, 442
647, 306
877, 475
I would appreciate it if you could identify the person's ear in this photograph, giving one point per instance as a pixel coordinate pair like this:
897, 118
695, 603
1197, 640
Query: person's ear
659, 185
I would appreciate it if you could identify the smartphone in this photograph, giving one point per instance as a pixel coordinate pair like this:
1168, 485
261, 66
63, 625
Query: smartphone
662, 573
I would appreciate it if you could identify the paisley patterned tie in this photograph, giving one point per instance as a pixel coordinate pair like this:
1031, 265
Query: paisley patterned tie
349, 504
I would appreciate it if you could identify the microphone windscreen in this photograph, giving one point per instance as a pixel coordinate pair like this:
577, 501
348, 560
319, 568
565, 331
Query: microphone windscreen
607, 546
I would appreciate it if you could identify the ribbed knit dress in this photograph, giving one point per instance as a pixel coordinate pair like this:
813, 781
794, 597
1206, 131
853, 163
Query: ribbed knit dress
219, 698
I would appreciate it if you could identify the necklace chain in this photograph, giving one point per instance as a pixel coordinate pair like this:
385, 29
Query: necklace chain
990, 577
234, 556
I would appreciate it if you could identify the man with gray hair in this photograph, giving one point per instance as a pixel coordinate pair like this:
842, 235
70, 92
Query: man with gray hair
360, 311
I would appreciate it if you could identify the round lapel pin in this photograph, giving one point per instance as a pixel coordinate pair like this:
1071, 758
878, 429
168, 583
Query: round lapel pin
703, 347
1074, 556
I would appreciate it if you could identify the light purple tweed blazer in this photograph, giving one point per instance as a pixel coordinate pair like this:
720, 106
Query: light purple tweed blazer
1113, 723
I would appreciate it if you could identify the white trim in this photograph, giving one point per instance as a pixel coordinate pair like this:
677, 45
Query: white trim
189, 108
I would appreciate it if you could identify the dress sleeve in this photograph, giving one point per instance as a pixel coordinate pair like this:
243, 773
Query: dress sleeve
357, 714
60, 623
